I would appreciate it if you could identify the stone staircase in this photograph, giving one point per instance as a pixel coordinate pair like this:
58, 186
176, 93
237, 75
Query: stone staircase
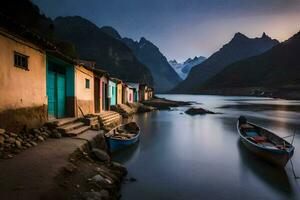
124, 110
109, 119
69, 126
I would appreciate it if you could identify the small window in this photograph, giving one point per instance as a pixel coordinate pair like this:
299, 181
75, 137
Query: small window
87, 83
21, 60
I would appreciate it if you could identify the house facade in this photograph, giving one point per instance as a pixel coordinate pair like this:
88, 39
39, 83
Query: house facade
23, 99
135, 87
60, 84
112, 85
85, 89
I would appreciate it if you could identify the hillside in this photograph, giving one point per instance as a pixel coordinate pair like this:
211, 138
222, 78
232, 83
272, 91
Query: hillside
240, 47
165, 77
275, 72
94, 44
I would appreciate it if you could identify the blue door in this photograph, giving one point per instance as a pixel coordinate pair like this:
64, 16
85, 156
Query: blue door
51, 93
61, 95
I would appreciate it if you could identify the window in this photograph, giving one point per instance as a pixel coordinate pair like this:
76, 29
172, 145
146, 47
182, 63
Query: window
87, 83
21, 60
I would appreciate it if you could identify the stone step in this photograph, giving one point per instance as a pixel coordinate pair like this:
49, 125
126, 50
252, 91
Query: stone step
110, 117
63, 121
68, 127
112, 120
77, 131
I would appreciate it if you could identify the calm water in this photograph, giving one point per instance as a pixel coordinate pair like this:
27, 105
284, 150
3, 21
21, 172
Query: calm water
200, 157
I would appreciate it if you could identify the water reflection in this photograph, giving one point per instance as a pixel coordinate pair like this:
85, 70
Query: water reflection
200, 157
275, 177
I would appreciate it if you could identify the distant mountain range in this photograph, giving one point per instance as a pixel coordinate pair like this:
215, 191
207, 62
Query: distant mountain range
183, 69
240, 47
165, 77
94, 43
273, 73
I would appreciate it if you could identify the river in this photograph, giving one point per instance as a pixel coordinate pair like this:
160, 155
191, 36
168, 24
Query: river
200, 157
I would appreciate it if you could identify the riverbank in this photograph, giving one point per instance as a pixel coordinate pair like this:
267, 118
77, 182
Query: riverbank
62, 169
165, 104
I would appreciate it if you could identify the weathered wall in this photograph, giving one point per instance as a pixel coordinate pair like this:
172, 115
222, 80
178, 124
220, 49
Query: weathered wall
112, 92
23, 91
119, 93
84, 96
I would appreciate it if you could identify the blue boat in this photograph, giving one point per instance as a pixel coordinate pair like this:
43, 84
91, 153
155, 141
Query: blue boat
264, 143
122, 136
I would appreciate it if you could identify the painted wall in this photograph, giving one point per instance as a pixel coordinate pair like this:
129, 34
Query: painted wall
112, 92
130, 95
103, 97
136, 86
22, 93
84, 96
119, 93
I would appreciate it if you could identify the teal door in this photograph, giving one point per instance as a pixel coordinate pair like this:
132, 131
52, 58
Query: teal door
56, 92
51, 92
61, 95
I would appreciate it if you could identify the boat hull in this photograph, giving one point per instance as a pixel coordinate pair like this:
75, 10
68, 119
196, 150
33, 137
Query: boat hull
278, 158
115, 144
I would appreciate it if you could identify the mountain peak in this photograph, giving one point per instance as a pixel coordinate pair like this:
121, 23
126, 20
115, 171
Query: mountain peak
111, 32
238, 36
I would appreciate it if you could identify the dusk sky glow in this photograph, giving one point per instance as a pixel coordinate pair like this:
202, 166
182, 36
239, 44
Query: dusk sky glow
182, 28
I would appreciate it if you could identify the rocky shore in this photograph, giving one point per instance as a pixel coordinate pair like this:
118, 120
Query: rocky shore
165, 104
198, 111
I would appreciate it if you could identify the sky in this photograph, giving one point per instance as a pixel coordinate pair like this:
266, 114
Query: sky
185, 28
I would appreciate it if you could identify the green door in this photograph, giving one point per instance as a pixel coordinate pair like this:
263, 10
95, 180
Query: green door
51, 92
61, 95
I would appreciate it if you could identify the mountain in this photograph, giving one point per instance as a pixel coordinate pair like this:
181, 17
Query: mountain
165, 77
111, 31
93, 43
275, 72
240, 47
183, 69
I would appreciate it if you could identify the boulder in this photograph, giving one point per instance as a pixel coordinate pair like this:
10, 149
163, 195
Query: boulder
55, 134
100, 155
2, 139
91, 196
18, 144
2, 131
40, 138
198, 111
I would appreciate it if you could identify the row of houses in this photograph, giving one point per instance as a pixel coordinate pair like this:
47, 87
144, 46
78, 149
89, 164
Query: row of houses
38, 82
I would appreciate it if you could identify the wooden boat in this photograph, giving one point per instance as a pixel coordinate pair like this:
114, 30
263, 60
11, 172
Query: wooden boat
122, 136
264, 143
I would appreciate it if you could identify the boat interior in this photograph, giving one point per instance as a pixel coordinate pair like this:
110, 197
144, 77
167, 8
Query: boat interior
263, 137
124, 132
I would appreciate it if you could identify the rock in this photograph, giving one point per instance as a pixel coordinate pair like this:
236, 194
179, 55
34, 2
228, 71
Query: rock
100, 154
40, 138
18, 144
2, 139
198, 111
36, 131
70, 168
33, 143
91, 196
55, 134
11, 140
104, 194
13, 135
45, 134
28, 145
6, 136
2, 131
99, 179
